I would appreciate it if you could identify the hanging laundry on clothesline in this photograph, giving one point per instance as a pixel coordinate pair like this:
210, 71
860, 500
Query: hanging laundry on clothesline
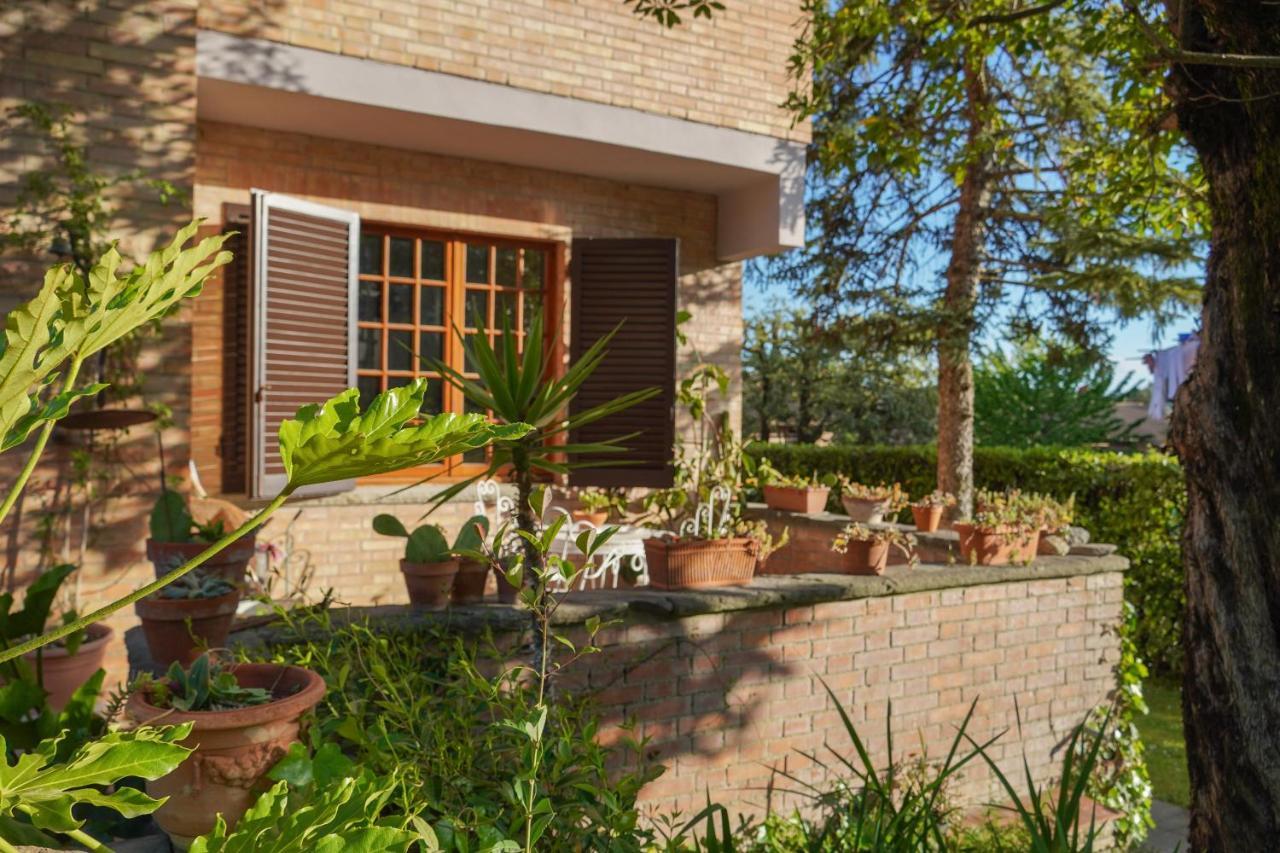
1170, 368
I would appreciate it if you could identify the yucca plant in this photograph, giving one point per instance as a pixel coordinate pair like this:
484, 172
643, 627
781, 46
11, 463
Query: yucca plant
525, 388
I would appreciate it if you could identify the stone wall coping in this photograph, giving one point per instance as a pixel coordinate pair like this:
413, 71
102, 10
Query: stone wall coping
765, 591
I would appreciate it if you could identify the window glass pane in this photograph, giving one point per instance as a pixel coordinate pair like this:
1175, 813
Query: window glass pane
532, 307
505, 273
430, 345
371, 254
468, 366
432, 306
535, 268
400, 303
433, 400
477, 263
369, 387
433, 260
401, 257
504, 316
369, 345
399, 349
477, 304
371, 301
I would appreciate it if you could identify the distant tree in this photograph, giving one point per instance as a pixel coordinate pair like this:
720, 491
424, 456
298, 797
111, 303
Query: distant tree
1049, 395
805, 384
972, 158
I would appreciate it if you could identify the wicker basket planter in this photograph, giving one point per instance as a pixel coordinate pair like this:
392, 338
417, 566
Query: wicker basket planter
695, 563
807, 499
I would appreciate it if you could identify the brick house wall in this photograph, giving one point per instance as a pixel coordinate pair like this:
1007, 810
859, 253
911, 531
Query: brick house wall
730, 72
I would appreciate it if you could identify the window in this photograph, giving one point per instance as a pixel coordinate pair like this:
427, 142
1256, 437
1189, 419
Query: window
415, 288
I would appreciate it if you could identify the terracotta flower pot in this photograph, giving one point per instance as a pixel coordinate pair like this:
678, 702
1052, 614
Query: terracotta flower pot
865, 511
64, 673
866, 557
176, 628
233, 749
596, 518
429, 584
229, 564
807, 499
928, 518
997, 546
695, 563
468, 586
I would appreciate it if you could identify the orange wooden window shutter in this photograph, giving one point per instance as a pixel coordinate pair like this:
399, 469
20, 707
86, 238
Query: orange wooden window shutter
303, 328
632, 282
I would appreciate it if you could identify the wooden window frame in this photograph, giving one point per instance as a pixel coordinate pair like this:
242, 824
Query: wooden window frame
456, 287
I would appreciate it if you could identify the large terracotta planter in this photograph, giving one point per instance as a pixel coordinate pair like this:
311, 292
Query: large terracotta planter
865, 511
177, 628
429, 584
468, 586
694, 563
928, 518
233, 749
64, 673
229, 564
866, 557
807, 499
997, 546
596, 519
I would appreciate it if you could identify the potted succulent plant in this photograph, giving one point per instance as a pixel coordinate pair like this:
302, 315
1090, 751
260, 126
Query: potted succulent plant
243, 718
928, 510
866, 549
473, 566
62, 667
191, 614
794, 493
1002, 531
594, 506
870, 504
176, 538
766, 544
429, 565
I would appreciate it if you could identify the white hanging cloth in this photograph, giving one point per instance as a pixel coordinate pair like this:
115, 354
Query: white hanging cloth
1171, 368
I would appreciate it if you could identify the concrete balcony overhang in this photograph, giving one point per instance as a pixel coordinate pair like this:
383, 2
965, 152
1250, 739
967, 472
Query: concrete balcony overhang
758, 180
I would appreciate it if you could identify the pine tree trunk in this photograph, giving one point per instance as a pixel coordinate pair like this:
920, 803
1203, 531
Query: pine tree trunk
1226, 429
955, 331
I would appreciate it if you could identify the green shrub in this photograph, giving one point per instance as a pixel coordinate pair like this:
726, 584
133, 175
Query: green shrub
1135, 500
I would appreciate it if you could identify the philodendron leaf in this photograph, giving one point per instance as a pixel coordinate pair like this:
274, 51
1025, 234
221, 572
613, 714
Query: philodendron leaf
336, 441
72, 317
46, 792
55, 408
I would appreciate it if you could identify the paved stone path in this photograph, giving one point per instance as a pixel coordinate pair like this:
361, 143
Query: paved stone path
1170, 833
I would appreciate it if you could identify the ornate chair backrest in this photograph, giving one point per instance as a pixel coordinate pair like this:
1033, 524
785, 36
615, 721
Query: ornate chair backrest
706, 522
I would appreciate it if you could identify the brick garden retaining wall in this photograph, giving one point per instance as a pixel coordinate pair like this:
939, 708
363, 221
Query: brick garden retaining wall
727, 685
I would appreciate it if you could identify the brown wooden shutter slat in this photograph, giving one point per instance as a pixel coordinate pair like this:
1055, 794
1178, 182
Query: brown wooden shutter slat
236, 293
303, 341
632, 282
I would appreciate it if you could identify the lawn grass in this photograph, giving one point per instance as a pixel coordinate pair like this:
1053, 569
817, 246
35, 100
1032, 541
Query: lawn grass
1162, 734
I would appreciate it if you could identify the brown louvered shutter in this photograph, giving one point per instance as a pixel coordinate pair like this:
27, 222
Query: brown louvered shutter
236, 295
303, 334
632, 282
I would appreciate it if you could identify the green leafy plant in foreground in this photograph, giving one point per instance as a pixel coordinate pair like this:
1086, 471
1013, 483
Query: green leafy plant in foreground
38, 792
320, 804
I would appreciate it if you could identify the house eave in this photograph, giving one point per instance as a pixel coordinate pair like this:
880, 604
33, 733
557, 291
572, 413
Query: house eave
758, 180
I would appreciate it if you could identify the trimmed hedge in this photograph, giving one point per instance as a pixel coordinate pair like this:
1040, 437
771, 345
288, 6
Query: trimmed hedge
1135, 500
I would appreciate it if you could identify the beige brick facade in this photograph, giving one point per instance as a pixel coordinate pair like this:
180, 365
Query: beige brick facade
730, 71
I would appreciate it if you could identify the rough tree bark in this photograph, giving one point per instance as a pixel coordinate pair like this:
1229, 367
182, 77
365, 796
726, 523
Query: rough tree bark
1226, 429
955, 331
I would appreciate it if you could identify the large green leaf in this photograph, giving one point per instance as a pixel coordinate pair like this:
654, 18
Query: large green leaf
74, 318
336, 441
45, 792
